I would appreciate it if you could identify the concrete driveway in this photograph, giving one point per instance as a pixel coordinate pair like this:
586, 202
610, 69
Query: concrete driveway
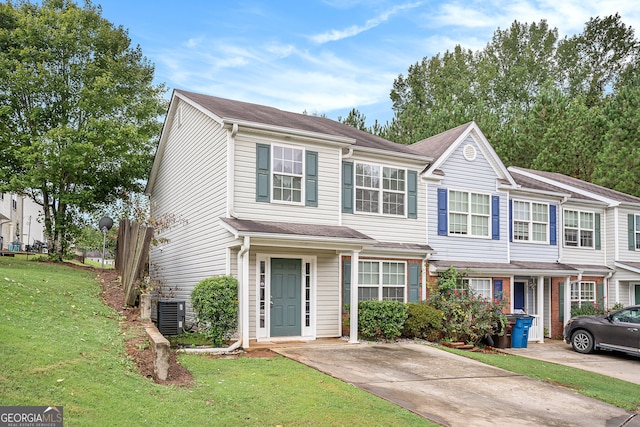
452, 390
611, 364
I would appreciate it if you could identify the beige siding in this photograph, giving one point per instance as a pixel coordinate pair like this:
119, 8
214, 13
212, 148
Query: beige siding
190, 190
246, 206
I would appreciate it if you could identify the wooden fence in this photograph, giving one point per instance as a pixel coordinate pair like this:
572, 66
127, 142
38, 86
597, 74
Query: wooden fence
132, 256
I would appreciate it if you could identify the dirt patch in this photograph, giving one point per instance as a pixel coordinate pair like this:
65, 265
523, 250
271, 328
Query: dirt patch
132, 327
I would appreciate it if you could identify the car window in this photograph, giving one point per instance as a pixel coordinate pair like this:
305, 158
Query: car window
628, 316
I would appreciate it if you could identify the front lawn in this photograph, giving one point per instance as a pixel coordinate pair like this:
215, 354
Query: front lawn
62, 346
623, 394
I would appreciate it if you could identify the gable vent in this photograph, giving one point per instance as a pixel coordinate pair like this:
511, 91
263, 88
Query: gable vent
469, 152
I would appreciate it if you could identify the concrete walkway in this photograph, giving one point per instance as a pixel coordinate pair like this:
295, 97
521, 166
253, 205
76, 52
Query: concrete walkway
452, 390
611, 364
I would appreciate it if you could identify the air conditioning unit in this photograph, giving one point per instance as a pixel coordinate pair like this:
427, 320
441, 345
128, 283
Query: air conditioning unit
171, 317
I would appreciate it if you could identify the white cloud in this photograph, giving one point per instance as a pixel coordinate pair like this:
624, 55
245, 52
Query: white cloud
335, 35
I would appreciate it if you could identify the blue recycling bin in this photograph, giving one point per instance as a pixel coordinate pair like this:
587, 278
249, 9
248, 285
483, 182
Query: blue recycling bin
520, 334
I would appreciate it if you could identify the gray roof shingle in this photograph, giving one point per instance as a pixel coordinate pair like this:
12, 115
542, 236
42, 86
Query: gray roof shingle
436, 145
231, 109
289, 228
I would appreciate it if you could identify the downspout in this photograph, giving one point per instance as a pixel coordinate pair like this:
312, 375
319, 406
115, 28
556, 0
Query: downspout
606, 289
231, 169
243, 289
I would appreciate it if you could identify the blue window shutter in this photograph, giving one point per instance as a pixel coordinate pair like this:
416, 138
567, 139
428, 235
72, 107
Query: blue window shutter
495, 217
497, 290
263, 159
553, 225
311, 178
511, 220
598, 239
561, 300
442, 212
414, 282
346, 271
412, 194
347, 187
631, 220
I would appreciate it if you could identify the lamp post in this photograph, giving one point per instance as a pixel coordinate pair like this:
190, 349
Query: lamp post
105, 225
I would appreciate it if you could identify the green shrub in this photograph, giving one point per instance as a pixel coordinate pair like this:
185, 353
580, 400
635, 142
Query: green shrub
215, 301
423, 321
585, 309
381, 319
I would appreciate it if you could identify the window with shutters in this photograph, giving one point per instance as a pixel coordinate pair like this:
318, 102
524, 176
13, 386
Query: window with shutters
382, 280
480, 287
579, 229
530, 221
583, 292
380, 190
637, 231
288, 167
469, 213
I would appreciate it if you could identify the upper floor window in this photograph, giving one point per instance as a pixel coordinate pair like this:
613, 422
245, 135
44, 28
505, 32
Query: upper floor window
14, 202
380, 189
469, 213
381, 280
637, 231
530, 221
579, 228
286, 174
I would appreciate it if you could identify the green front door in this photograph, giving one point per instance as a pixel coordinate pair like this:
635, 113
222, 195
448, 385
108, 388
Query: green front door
637, 294
286, 284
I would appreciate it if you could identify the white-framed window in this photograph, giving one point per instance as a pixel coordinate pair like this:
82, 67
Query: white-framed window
579, 229
287, 174
382, 280
480, 286
380, 189
469, 213
530, 221
583, 292
14, 202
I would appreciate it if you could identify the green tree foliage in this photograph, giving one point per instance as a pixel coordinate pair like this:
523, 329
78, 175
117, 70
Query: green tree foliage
78, 111
542, 102
619, 161
355, 119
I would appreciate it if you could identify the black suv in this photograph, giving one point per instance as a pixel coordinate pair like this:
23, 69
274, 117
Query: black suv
618, 330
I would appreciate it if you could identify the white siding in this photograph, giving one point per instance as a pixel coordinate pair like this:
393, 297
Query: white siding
191, 188
475, 176
245, 184
387, 228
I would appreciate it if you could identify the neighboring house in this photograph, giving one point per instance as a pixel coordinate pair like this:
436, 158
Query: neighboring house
311, 215
20, 222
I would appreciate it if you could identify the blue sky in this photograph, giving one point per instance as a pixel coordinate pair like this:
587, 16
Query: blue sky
324, 56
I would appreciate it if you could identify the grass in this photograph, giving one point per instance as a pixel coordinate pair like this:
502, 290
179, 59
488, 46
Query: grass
622, 394
62, 346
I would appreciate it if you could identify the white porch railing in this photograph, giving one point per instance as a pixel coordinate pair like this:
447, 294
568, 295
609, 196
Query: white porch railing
536, 330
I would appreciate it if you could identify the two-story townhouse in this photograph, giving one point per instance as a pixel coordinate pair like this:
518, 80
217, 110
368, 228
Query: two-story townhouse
598, 238
309, 214
499, 229
21, 222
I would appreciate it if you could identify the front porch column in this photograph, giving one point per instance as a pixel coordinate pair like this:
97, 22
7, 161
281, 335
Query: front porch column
567, 301
540, 308
617, 293
353, 304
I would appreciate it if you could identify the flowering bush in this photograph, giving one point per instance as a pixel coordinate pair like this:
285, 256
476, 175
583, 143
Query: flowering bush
467, 317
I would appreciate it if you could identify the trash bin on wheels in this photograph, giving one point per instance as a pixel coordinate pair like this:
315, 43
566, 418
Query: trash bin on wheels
520, 334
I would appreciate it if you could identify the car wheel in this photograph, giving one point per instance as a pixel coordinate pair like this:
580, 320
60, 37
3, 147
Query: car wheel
582, 341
